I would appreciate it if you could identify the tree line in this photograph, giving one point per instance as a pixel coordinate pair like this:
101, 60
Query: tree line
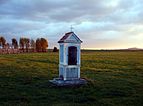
23, 45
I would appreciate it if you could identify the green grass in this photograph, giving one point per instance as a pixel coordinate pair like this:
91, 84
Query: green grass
115, 79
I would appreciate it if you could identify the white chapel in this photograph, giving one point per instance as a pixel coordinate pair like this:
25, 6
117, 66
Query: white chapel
69, 56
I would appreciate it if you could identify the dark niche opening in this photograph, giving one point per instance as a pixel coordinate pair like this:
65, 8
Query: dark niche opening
72, 55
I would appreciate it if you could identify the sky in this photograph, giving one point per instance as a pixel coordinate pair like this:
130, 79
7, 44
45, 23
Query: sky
100, 24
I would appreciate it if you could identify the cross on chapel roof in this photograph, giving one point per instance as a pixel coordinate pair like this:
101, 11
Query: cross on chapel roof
70, 37
71, 28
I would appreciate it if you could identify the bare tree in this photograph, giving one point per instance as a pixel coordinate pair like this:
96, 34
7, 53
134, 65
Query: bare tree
33, 45
21, 43
55, 49
14, 43
27, 44
2, 42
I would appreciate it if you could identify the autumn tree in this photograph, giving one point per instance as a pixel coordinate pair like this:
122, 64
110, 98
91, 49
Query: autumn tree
44, 44
14, 43
24, 43
41, 45
38, 45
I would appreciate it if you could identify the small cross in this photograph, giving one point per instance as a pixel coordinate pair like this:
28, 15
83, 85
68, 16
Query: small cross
71, 28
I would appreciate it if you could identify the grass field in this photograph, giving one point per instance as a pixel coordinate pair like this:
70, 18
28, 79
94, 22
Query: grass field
115, 79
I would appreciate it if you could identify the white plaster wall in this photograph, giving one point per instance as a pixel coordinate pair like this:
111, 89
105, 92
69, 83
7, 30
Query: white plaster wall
64, 65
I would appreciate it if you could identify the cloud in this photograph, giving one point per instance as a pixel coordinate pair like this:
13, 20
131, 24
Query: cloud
105, 21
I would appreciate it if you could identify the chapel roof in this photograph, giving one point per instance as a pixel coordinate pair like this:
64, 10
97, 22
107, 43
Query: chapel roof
67, 38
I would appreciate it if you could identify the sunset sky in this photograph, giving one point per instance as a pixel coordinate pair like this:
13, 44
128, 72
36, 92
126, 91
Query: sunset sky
101, 24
